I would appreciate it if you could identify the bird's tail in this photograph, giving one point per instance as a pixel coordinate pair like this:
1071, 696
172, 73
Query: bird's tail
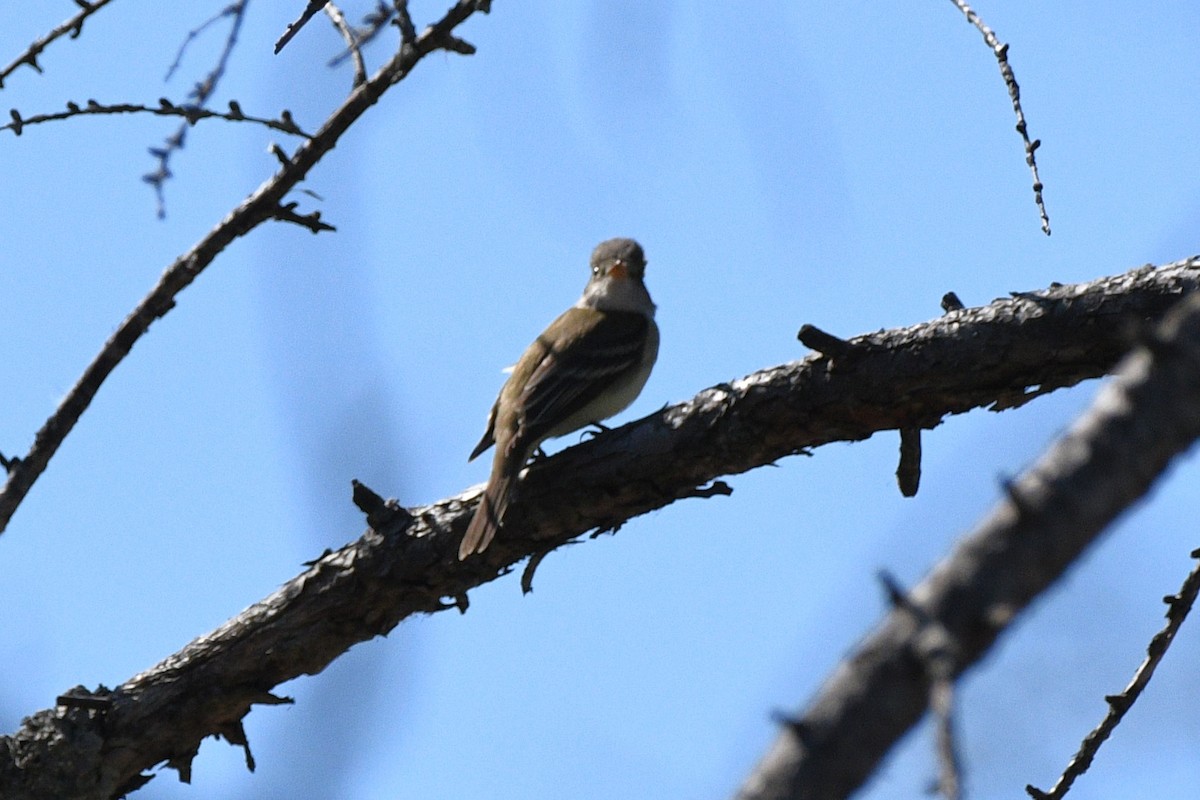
490, 514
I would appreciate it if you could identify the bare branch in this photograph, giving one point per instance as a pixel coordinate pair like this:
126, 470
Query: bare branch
408, 32
1014, 93
339, 21
260, 206
199, 95
1148, 414
165, 108
373, 23
1178, 606
230, 10
409, 564
312, 221
73, 26
293, 28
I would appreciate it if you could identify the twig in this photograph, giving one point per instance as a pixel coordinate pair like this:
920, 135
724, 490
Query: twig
287, 213
1178, 606
1139, 422
941, 704
908, 471
1014, 92
408, 31
535, 561
199, 95
339, 21
293, 28
73, 26
373, 23
194, 34
826, 343
260, 206
935, 648
165, 108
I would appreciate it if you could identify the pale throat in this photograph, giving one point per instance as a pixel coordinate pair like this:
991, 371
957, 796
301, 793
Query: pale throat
617, 295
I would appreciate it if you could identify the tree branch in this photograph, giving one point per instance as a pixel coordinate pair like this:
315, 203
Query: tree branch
1138, 423
1000, 51
199, 95
73, 26
408, 564
339, 22
310, 10
1179, 605
165, 108
374, 23
263, 204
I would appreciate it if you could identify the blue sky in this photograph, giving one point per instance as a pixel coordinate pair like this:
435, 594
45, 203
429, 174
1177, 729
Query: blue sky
843, 165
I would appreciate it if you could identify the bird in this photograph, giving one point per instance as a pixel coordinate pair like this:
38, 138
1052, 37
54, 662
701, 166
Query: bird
587, 366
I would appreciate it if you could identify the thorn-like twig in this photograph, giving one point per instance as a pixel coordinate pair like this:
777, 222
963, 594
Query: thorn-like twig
897, 596
1178, 606
714, 489
457, 45
793, 725
1014, 92
908, 471
286, 212
950, 302
381, 514
72, 26
282, 157
826, 343
535, 561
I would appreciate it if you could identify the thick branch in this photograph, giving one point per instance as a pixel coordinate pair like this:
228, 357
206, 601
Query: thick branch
260, 206
1149, 414
409, 565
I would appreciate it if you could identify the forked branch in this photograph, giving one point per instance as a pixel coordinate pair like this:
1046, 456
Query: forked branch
262, 205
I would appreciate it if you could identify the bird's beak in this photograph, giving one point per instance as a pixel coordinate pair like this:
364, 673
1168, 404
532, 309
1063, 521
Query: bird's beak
618, 270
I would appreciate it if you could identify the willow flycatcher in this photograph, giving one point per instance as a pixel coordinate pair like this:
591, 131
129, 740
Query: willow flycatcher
590, 364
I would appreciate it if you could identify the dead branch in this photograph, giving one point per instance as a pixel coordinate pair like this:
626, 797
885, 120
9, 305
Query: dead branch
1178, 607
1000, 51
199, 96
72, 26
262, 205
165, 108
409, 565
1138, 423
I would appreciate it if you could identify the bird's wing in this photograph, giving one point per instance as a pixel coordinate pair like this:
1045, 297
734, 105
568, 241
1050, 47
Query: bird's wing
567, 378
489, 435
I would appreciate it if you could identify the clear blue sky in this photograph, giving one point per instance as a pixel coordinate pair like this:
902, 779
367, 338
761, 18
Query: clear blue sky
838, 164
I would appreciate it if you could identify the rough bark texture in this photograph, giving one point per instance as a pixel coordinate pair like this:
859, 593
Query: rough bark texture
407, 562
1149, 414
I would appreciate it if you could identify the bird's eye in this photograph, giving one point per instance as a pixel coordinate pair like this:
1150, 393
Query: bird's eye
595, 270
